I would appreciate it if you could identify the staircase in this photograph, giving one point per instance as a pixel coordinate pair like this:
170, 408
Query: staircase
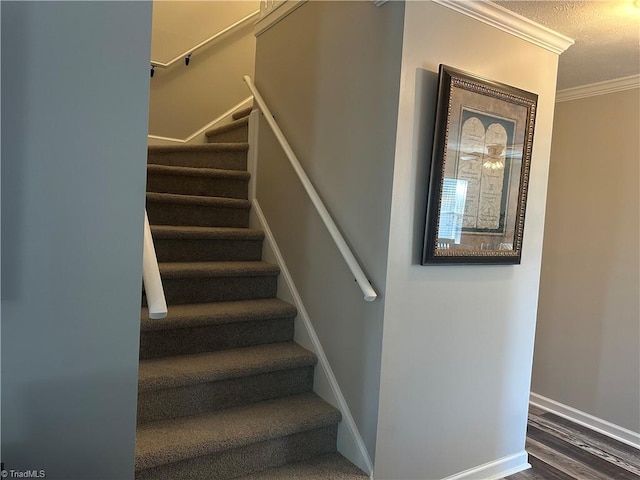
223, 390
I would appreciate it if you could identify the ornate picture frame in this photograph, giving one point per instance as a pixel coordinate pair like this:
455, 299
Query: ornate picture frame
479, 174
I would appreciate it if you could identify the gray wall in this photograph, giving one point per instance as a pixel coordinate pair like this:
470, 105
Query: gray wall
458, 340
330, 73
587, 353
74, 122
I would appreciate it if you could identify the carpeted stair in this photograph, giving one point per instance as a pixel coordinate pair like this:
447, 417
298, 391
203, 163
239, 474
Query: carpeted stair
223, 390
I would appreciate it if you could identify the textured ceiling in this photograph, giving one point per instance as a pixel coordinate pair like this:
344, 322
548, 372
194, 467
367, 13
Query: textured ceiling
607, 35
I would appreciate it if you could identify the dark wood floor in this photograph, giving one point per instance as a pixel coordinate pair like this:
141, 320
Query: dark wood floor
562, 450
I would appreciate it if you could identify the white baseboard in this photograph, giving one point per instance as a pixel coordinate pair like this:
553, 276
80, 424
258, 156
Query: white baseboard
199, 135
599, 425
252, 155
496, 469
350, 442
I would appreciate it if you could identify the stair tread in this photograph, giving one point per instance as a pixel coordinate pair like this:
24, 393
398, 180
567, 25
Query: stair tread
200, 147
171, 372
193, 232
167, 441
331, 466
242, 113
217, 269
204, 314
198, 200
239, 123
198, 171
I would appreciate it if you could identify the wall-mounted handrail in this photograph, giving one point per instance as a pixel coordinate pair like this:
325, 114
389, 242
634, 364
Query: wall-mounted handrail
187, 53
151, 276
368, 291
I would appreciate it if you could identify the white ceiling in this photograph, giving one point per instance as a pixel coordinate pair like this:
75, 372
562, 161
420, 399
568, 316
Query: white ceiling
606, 32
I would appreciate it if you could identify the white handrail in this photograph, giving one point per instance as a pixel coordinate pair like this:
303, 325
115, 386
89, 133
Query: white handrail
151, 276
212, 38
354, 266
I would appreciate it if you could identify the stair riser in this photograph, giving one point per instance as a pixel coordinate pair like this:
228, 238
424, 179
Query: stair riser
184, 341
181, 250
248, 459
233, 160
240, 134
193, 185
195, 399
218, 289
161, 213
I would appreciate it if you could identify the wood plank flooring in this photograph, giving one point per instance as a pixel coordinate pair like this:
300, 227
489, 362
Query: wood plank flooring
562, 450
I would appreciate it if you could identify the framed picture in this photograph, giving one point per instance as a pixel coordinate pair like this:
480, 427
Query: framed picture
479, 171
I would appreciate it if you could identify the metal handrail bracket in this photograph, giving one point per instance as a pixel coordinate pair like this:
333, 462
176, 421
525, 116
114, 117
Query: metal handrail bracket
186, 55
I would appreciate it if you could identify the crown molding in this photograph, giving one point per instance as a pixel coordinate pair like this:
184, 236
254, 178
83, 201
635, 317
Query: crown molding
510, 22
600, 88
277, 11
